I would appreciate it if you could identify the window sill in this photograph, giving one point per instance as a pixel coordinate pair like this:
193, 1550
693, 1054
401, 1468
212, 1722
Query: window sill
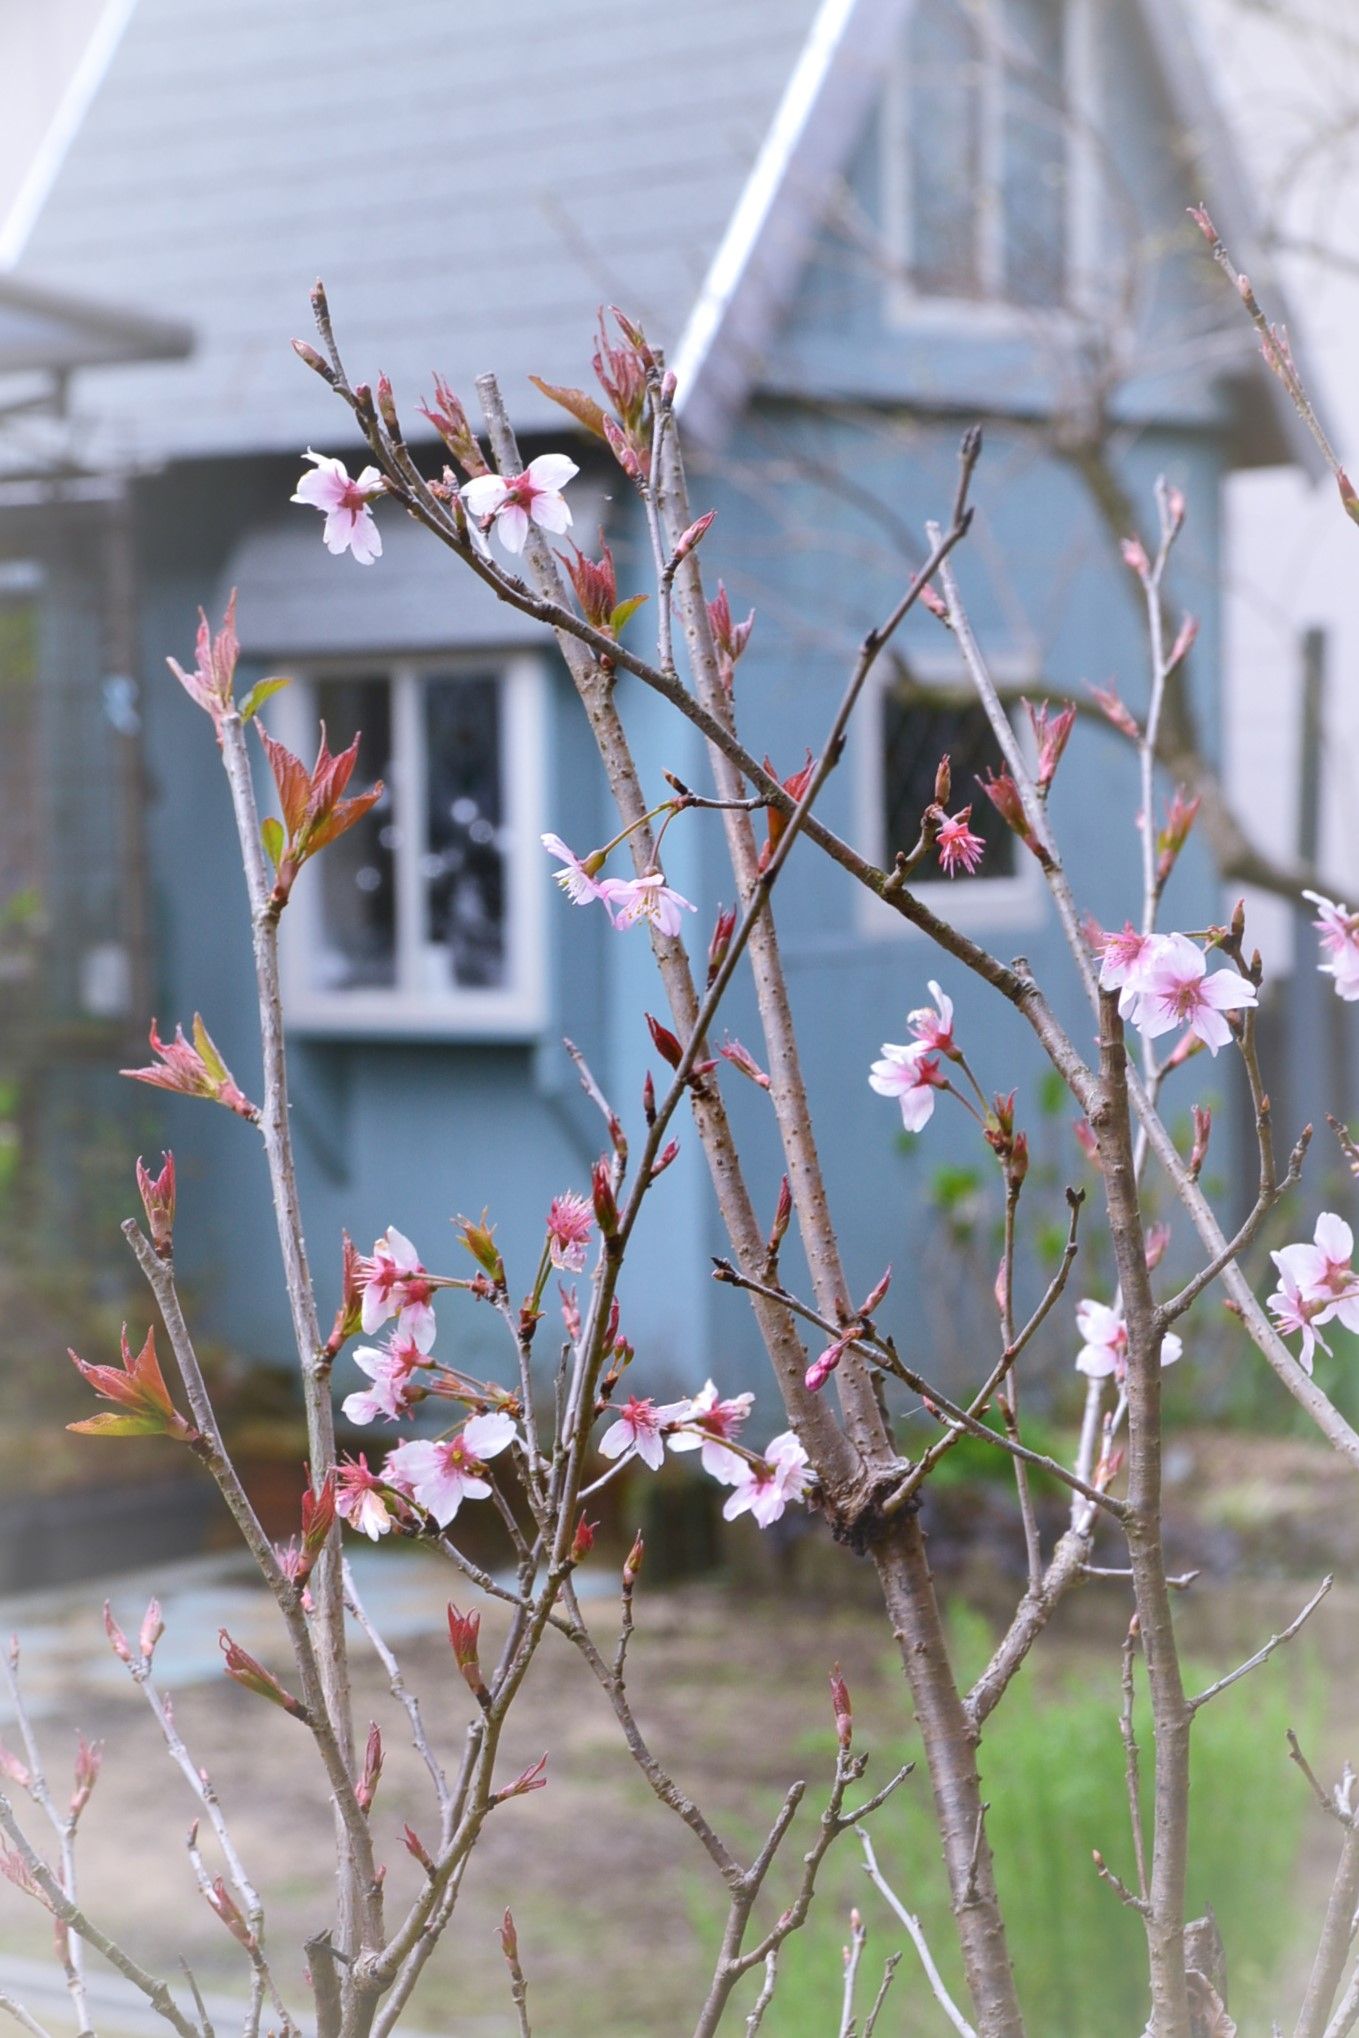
490, 1022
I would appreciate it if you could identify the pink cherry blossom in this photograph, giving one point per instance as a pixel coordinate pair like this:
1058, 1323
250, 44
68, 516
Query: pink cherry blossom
1295, 1310
394, 1285
389, 1367
765, 1489
640, 1430
1339, 931
568, 1231
934, 1024
709, 1423
1124, 956
633, 899
359, 1498
349, 520
1173, 989
440, 1475
509, 503
958, 847
910, 1074
1105, 1350
576, 877
1317, 1283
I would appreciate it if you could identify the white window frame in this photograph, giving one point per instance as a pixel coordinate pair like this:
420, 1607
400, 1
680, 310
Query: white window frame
514, 1010
969, 903
991, 311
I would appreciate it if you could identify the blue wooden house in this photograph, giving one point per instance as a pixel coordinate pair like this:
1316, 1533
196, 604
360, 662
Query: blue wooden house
855, 226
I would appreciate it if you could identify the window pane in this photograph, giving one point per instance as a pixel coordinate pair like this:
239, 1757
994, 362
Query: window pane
915, 737
1034, 152
356, 949
465, 838
943, 141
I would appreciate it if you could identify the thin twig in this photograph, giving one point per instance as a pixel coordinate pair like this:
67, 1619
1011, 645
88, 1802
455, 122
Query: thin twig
1263, 1655
912, 1924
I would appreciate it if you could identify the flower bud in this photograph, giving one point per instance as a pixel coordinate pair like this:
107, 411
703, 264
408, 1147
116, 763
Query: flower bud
152, 1628
649, 1099
13, 1770
741, 1058
632, 1563
349, 1316
532, 1778
669, 1152
783, 1211
664, 1041
243, 1669
606, 1206
872, 1300
509, 1939
943, 781
118, 1641
583, 1541
463, 1631
158, 1200
1203, 1126
88, 1762
480, 1242
1135, 557
220, 1899
416, 1847
844, 1711
365, 1790
694, 536
723, 930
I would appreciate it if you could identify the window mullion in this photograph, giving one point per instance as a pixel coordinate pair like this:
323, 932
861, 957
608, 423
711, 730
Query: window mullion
411, 780
990, 224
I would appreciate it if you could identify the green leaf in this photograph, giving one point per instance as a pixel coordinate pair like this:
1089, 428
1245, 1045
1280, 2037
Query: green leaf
262, 691
625, 611
271, 834
110, 1425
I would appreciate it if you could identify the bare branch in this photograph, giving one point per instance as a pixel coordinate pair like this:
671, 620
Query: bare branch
912, 1924
1263, 1655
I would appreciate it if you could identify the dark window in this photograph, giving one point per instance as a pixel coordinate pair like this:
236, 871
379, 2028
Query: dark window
357, 945
464, 869
916, 734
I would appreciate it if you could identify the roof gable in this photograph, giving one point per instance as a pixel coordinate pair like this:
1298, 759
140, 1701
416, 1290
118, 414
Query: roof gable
471, 183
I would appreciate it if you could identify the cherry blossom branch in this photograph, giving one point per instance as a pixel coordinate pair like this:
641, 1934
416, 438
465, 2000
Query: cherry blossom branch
1263, 1655
732, 1961
882, 1352
357, 1847
68, 1947
1171, 1711
611, 1681
75, 1920
398, 1687
1132, 1769
1003, 1370
890, 1966
356, 1908
262, 1982
766, 1995
858, 1937
1273, 344
138, 1667
21, 2016
1337, 1933
913, 1927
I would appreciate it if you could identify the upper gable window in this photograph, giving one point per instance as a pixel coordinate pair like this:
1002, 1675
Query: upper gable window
981, 148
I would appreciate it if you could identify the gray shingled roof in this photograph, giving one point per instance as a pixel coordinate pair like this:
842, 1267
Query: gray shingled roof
471, 178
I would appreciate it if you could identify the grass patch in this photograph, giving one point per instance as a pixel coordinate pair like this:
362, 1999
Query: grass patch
1052, 1769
